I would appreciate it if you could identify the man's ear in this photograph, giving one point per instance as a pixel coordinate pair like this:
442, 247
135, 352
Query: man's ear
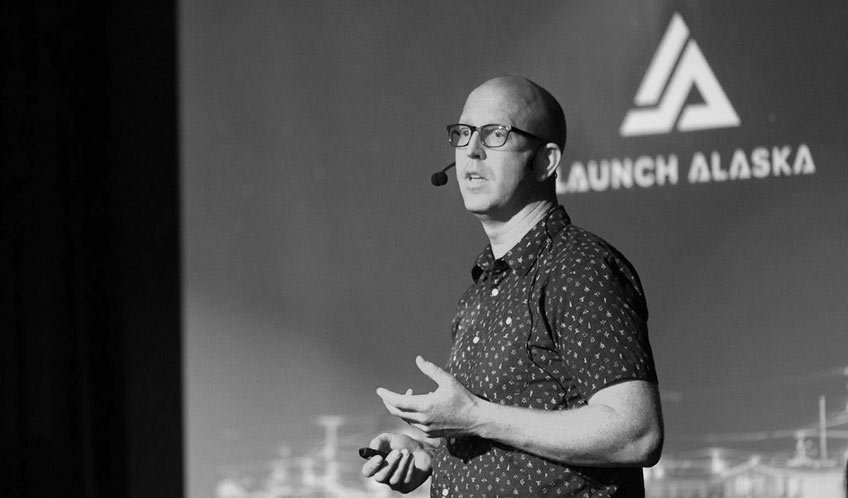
547, 161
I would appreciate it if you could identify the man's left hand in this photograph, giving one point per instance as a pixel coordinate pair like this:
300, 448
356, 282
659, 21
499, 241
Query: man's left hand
446, 412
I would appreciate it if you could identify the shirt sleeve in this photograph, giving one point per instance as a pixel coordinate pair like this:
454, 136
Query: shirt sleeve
601, 319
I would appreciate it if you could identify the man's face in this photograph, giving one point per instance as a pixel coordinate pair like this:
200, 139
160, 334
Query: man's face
496, 183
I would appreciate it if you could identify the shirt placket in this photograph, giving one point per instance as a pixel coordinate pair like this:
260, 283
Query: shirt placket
491, 294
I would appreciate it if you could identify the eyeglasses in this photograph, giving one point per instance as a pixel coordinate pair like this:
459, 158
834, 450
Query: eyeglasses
491, 135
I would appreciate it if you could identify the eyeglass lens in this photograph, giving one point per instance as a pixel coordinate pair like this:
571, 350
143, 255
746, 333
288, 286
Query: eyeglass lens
491, 135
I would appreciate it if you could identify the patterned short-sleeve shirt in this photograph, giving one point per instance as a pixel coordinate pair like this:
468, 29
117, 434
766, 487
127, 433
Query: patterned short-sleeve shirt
559, 317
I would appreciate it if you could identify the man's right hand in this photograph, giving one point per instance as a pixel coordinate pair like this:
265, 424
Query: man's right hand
407, 465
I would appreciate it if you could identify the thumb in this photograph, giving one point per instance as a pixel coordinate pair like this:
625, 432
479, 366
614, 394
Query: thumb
381, 442
433, 371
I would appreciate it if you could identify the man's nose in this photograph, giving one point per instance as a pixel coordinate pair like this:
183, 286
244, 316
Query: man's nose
475, 147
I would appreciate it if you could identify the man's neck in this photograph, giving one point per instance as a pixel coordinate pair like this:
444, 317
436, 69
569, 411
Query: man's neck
504, 235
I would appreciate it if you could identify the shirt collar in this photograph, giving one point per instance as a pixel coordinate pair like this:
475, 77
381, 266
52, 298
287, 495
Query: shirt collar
523, 255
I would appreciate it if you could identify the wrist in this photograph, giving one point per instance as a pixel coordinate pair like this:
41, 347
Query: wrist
481, 417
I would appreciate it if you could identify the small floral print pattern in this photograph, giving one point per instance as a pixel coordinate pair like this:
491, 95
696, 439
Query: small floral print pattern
559, 317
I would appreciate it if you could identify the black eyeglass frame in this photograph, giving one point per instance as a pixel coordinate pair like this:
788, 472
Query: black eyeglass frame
508, 129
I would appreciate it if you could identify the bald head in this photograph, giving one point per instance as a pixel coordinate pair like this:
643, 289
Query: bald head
524, 104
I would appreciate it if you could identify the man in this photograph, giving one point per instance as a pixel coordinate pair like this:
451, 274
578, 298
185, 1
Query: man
550, 387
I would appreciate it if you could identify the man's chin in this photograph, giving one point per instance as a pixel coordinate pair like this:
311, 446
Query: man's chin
484, 213
477, 208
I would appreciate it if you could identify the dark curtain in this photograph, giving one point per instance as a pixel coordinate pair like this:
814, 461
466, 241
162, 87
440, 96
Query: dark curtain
90, 277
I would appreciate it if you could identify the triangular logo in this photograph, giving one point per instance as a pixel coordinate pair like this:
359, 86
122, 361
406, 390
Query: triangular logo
665, 87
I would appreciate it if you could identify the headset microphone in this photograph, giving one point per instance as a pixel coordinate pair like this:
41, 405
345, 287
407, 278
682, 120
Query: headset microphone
439, 178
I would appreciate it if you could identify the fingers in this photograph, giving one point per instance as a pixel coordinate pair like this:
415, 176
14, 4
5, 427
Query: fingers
406, 416
433, 371
409, 469
401, 472
404, 402
387, 474
382, 442
371, 467
397, 468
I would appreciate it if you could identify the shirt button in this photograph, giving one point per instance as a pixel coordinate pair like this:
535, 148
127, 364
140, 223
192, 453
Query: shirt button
495, 292
445, 492
508, 320
475, 340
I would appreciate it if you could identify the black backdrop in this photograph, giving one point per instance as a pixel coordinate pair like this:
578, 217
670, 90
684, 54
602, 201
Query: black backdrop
90, 298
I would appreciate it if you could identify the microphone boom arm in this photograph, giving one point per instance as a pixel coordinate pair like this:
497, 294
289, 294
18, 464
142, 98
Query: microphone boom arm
439, 178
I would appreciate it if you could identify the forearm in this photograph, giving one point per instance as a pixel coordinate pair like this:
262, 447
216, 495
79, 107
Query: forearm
620, 426
592, 435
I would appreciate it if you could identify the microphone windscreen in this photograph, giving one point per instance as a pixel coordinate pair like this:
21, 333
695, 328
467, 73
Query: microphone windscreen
439, 178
